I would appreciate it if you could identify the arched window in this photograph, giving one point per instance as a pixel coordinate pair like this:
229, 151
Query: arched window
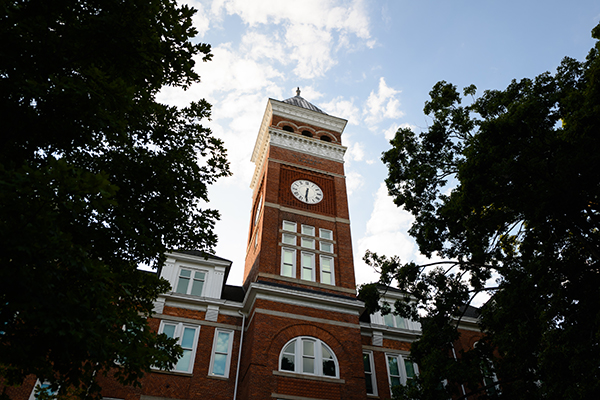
307, 133
308, 355
325, 138
288, 128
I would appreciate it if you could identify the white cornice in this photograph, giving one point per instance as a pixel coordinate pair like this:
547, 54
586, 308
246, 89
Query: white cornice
208, 260
320, 149
306, 145
308, 116
291, 296
291, 141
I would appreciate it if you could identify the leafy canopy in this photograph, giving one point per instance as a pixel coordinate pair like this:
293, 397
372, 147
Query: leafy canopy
96, 177
506, 187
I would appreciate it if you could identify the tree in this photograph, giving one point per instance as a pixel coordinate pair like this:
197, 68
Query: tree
506, 190
96, 177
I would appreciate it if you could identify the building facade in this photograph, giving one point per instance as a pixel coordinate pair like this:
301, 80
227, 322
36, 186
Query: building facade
295, 330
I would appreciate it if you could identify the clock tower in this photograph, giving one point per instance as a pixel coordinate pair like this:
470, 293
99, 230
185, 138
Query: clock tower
300, 228
302, 336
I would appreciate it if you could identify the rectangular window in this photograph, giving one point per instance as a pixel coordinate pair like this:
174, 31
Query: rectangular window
326, 247
308, 243
325, 234
187, 338
288, 262
369, 373
308, 356
257, 211
191, 282
288, 239
401, 371
411, 370
289, 226
308, 230
395, 321
326, 264
221, 355
394, 370
308, 266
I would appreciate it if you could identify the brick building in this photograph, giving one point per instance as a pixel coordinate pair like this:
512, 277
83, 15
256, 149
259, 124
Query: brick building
295, 329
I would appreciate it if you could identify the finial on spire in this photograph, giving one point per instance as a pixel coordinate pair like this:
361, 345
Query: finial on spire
298, 91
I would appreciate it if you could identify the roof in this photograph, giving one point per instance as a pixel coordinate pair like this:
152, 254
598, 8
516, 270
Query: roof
203, 254
233, 293
301, 102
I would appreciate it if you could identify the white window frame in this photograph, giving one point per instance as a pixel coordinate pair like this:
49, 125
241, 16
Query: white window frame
191, 278
328, 236
307, 243
311, 267
292, 242
309, 229
293, 251
291, 223
215, 352
178, 334
395, 319
379, 319
400, 359
318, 357
258, 210
321, 243
371, 375
331, 271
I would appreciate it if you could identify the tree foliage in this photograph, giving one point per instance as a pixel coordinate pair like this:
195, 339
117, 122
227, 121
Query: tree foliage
507, 187
96, 177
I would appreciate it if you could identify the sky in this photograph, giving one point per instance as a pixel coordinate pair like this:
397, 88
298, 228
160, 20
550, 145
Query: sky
372, 63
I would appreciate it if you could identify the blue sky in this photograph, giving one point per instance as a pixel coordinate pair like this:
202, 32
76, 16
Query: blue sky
372, 63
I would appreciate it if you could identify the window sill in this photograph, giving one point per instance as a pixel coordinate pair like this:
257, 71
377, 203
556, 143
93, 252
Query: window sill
180, 373
221, 378
309, 377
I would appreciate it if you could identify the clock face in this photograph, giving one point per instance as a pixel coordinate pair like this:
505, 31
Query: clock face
307, 192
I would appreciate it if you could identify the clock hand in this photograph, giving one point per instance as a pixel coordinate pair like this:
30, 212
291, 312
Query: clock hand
306, 196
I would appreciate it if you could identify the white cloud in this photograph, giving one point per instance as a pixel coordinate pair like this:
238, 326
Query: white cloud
200, 20
354, 181
382, 104
343, 109
312, 30
386, 234
390, 132
356, 151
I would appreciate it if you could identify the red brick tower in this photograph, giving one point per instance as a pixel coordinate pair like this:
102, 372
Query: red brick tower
302, 334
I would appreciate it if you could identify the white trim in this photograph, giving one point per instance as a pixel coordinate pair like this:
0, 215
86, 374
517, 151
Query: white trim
373, 377
289, 222
331, 269
314, 300
214, 352
191, 280
321, 243
304, 267
300, 354
285, 250
400, 359
322, 230
301, 144
309, 228
178, 332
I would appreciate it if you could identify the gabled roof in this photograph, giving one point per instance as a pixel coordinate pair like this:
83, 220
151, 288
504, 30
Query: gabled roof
301, 102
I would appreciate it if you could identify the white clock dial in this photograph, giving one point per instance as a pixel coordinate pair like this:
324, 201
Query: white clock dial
307, 192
